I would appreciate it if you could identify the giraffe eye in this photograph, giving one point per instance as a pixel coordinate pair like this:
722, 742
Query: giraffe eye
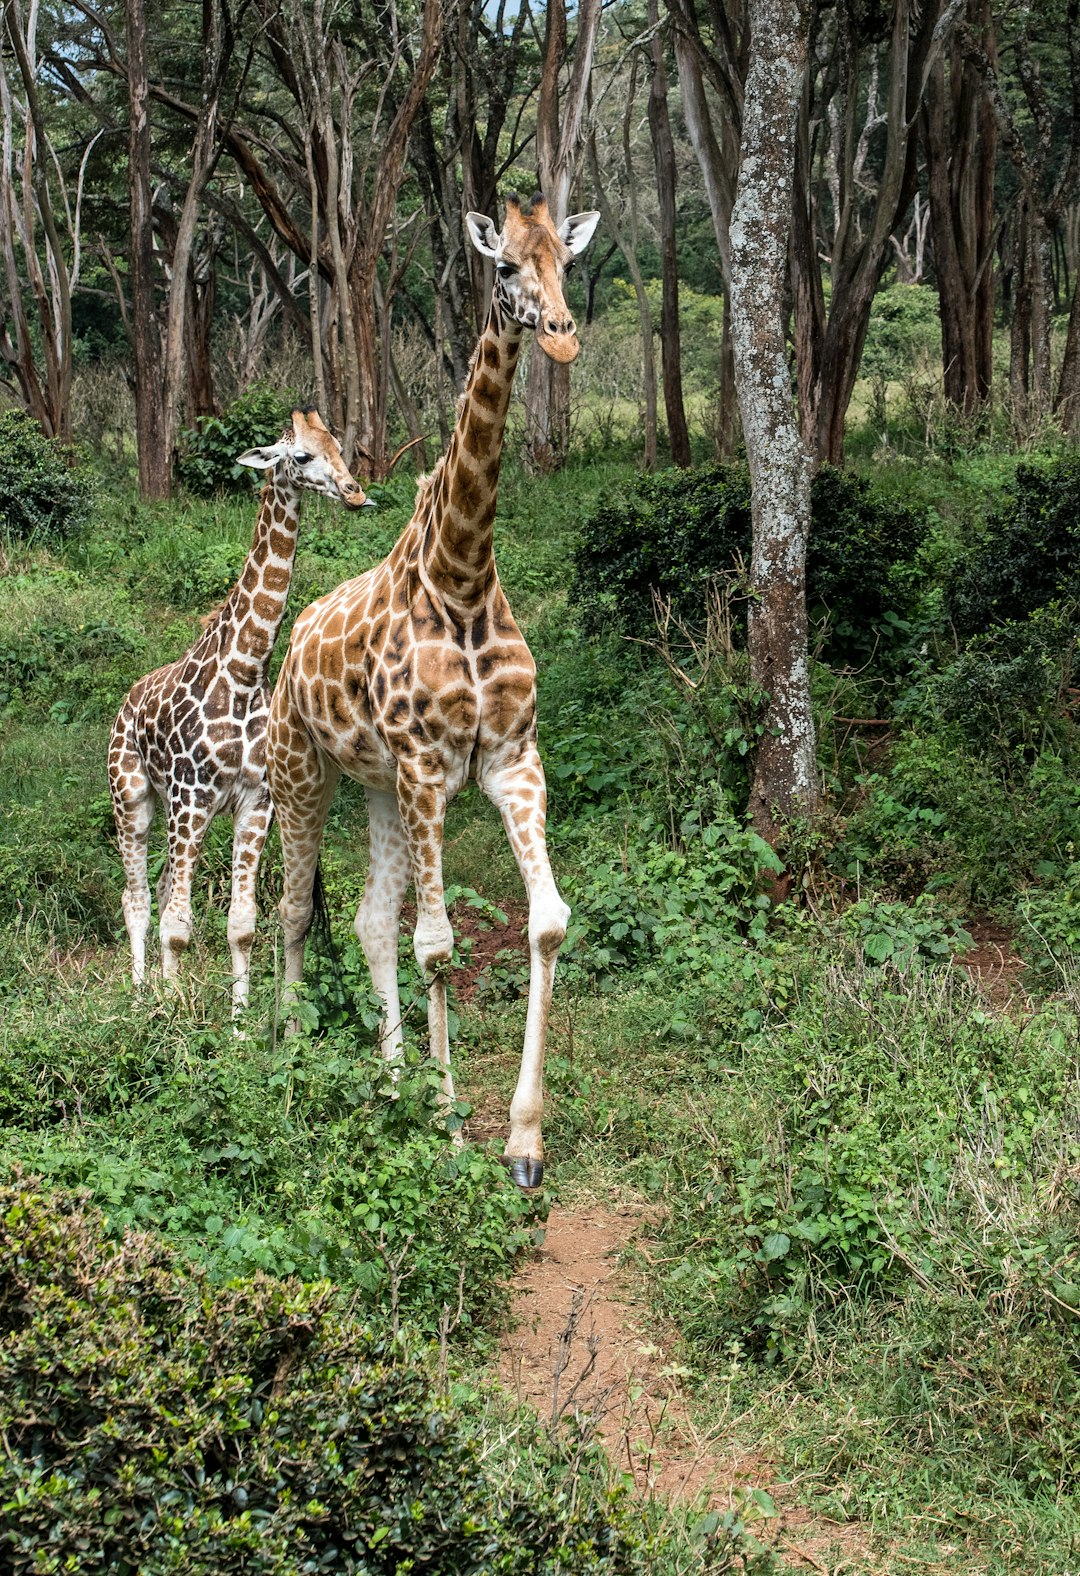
505, 269
301, 459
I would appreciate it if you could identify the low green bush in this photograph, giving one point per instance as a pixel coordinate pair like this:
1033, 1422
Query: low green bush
1028, 555
905, 326
671, 910
1008, 690
46, 493
677, 532
957, 817
881, 1169
206, 461
154, 1422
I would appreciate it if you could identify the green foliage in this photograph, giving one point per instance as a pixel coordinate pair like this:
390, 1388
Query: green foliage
946, 814
679, 531
156, 1422
46, 493
905, 327
1006, 692
904, 935
295, 1154
674, 911
207, 454
883, 1165
1028, 555
1049, 917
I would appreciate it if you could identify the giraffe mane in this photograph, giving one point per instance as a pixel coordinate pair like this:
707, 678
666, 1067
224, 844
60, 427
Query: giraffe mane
425, 485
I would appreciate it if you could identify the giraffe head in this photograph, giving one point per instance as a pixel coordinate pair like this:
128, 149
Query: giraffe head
531, 256
309, 456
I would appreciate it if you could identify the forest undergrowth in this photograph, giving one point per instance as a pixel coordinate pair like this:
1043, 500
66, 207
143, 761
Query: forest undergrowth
861, 1175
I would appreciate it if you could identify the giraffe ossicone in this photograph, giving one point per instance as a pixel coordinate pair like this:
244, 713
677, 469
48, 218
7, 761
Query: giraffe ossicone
414, 679
191, 736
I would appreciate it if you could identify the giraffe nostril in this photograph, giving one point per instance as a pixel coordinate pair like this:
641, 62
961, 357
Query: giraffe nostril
553, 327
570, 327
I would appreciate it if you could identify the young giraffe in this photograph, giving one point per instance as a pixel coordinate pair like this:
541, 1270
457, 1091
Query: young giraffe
193, 734
415, 678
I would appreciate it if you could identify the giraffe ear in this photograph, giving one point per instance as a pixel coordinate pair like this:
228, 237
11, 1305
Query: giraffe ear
577, 231
482, 233
261, 459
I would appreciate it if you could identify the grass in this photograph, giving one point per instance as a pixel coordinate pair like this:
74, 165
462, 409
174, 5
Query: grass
864, 1185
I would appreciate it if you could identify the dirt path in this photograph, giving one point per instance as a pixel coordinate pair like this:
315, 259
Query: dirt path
582, 1343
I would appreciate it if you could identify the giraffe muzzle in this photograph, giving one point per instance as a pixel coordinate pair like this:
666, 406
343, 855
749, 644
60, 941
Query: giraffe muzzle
562, 347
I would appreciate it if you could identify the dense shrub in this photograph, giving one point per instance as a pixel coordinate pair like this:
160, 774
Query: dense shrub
905, 324
1029, 555
153, 1422
44, 494
1007, 689
207, 458
883, 1153
978, 824
679, 530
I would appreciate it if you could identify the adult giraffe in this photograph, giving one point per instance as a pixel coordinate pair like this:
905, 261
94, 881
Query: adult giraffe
415, 678
192, 735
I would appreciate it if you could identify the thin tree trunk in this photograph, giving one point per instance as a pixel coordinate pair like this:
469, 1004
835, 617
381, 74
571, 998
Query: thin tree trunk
628, 246
664, 158
785, 776
151, 434
560, 139
1067, 399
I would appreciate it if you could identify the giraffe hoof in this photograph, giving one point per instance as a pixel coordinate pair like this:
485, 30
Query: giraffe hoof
525, 1171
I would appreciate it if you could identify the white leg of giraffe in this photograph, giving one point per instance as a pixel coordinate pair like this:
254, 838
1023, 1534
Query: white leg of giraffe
251, 824
518, 790
301, 812
422, 805
379, 914
134, 805
188, 823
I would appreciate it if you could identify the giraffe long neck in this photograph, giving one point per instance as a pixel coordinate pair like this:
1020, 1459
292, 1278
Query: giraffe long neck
457, 551
252, 614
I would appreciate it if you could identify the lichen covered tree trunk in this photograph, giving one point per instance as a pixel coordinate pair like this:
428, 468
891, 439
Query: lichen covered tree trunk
785, 776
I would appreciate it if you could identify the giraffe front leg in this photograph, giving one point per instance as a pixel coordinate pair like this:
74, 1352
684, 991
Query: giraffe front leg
188, 823
249, 834
421, 798
133, 812
379, 914
518, 790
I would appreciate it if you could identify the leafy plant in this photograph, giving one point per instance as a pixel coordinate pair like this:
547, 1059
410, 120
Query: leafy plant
46, 493
154, 1421
679, 531
207, 454
904, 935
1028, 555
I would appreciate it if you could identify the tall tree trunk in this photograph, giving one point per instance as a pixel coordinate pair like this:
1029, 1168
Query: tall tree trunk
960, 141
785, 775
664, 158
560, 140
628, 244
154, 452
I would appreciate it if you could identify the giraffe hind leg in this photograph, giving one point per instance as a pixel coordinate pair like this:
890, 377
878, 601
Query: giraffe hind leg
378, 917
249, 835
134, 804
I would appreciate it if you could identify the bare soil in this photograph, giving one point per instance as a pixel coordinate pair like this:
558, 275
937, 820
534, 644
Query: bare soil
582, 1344
993, 962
